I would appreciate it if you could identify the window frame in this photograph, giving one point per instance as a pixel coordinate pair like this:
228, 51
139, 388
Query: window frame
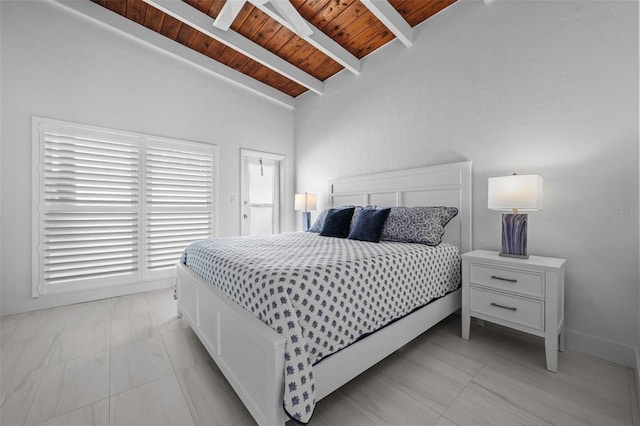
143, 274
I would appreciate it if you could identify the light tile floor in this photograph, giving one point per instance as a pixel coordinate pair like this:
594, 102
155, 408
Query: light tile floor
130, 361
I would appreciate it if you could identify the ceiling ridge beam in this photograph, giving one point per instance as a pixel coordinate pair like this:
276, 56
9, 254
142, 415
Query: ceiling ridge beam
204, 23
317, 39
167, 46
390, 17
291, 14
228, 14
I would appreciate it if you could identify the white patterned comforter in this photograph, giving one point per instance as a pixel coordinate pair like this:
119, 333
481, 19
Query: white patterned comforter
323, 293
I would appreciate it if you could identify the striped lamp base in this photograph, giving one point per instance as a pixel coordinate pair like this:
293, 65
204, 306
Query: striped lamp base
514, 235
306, 221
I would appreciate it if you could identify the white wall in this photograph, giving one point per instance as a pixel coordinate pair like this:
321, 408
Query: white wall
59, 64
637, 376
529, 87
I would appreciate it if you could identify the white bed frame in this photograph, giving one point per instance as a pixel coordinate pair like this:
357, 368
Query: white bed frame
251, 354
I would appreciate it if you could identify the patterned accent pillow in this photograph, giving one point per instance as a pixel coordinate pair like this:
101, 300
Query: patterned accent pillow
368, 226
317, 225
337, 223
423, 225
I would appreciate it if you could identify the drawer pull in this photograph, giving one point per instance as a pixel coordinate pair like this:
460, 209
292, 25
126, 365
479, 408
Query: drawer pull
504, 307
511, 280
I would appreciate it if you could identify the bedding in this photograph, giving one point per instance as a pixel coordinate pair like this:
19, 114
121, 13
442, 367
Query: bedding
319, 223
368, 225
323, 294
337, 223
421, 225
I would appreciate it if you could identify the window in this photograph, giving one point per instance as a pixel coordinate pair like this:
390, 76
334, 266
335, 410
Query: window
260, 196
114, 207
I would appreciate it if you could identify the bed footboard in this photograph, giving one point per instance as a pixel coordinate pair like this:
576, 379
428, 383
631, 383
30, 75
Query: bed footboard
336, 370
248, 352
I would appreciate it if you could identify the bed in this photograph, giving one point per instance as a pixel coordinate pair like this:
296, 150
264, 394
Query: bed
252, 355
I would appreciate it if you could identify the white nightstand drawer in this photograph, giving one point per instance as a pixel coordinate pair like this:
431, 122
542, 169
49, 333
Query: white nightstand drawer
511, 280
524, 294
516, 310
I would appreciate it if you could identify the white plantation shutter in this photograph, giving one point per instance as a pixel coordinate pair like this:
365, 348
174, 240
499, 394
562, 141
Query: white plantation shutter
115, 207
179, 199
89, 245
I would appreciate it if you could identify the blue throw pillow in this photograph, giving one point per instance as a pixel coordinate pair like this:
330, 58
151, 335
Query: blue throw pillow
319, 223
337, 223
368, 226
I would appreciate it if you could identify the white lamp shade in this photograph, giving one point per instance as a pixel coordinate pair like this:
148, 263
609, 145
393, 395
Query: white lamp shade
306, 201
521, 192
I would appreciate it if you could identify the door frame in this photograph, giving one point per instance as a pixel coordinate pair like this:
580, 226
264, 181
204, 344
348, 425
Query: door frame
244, 153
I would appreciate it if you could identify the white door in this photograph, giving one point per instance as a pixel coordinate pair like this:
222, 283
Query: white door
260, 194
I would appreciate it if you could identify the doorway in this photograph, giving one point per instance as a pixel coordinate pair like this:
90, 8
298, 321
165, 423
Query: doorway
260, 192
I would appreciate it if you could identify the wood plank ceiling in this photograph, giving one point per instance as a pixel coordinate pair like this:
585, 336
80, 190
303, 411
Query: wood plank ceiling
351, 24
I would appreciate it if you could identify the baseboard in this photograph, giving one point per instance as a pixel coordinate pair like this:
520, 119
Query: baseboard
602, 348
52, 301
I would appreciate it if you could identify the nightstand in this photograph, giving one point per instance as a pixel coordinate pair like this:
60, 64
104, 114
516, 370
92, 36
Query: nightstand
522, 294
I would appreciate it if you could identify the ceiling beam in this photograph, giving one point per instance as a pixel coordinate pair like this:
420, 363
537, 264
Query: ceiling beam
165, 45
204, 23
317, 39
285, 13
228, 14
390, 17
290, 14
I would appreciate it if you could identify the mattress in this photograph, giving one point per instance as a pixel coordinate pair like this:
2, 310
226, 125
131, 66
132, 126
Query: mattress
323, 293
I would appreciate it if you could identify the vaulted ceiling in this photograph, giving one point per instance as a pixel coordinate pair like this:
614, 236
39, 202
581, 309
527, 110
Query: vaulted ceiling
264, 43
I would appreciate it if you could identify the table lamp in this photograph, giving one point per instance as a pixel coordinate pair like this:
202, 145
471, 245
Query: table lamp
306, 202
515, 193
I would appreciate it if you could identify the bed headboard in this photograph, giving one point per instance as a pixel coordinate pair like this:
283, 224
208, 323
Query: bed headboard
443, 185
